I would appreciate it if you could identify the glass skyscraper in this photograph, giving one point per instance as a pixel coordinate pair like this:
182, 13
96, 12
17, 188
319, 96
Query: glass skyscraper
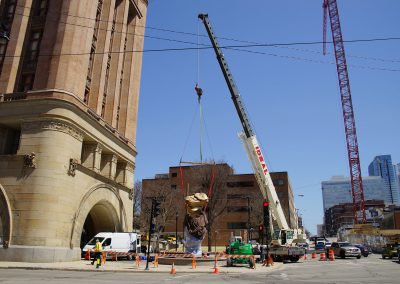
338, 190
382, 166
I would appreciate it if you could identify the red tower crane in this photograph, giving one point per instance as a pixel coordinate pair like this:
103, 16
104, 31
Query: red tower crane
347, 107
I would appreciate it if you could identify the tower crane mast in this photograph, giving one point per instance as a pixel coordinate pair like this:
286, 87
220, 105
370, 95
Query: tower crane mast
330, 6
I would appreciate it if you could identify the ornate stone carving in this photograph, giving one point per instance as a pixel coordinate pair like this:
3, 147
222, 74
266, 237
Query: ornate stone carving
30, 160
131, 192
55, 125
130, 167
73, 164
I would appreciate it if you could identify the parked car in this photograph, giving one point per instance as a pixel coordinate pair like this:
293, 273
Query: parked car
345, 249
390, 251
364, 249
328, 245
320, 246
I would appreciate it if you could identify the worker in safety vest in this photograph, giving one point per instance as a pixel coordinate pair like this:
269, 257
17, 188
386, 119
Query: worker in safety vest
97, 254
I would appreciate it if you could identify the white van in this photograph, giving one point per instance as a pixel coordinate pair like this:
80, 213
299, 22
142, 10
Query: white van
119, 242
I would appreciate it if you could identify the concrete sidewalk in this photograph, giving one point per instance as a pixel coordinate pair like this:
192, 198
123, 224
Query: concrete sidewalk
130, 266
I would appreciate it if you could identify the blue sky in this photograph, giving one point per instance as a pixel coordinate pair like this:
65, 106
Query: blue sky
291, 93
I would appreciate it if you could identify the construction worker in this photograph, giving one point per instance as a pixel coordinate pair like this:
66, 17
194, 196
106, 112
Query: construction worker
97, 254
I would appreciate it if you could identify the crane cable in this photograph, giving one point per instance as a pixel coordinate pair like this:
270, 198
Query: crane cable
199, 92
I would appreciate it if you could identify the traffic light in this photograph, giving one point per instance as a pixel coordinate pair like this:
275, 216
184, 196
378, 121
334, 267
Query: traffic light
157, 208
152, 228
266, 219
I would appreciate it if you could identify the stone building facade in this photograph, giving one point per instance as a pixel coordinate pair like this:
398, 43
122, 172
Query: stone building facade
69, 88
238, 198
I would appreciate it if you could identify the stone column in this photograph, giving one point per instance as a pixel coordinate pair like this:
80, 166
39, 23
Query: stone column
125, 173
109, 165
91, 156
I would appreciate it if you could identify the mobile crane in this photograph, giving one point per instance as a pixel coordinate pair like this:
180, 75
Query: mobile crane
282, 245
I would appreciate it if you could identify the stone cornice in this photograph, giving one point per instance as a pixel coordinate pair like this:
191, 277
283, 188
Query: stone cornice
54, 125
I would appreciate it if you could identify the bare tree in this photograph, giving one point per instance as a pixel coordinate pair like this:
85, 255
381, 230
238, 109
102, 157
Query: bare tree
137, 204
213, 182
161, 191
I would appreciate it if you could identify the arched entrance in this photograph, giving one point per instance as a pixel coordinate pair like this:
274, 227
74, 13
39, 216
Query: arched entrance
100, 210
101, 218
5, 219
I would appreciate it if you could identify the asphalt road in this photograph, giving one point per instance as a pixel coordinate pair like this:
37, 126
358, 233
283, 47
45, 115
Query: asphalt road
372, 269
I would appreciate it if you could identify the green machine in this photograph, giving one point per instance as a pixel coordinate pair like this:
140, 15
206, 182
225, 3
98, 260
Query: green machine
237, 248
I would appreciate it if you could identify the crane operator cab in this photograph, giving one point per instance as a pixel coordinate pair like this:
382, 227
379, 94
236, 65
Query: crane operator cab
283, 237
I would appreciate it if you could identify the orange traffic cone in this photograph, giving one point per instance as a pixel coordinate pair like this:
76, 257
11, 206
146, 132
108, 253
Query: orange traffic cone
216, 271
156, 261
137, 259
270, 260
173, 270
103, 257
194, 264
331, 255
314, 255
114, 257
87, 255
322, 256
253, 262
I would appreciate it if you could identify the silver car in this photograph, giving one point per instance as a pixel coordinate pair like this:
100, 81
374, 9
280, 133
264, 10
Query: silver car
345, 249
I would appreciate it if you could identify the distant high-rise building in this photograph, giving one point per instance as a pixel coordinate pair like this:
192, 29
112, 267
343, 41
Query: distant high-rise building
397, 171
382, 166
338, 190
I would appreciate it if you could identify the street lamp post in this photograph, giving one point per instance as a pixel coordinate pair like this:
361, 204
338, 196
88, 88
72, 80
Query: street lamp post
176, 231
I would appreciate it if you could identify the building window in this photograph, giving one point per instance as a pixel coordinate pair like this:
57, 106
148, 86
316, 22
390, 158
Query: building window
237, 225
92, 52
240, 184
277, 182
174, 175
6, 20
41, 8
26, 82
237, 196
233, 209
32, 51
173, 186
9, 141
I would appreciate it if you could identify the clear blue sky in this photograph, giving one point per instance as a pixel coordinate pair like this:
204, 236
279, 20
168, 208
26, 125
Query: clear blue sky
291, 94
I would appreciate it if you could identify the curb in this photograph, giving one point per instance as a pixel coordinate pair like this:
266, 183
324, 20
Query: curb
129, 270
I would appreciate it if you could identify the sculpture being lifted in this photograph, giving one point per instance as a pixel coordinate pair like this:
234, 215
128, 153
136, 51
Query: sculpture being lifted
195, 222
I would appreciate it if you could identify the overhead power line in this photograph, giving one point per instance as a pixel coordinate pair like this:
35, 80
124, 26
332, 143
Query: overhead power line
235, 48
197, 35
